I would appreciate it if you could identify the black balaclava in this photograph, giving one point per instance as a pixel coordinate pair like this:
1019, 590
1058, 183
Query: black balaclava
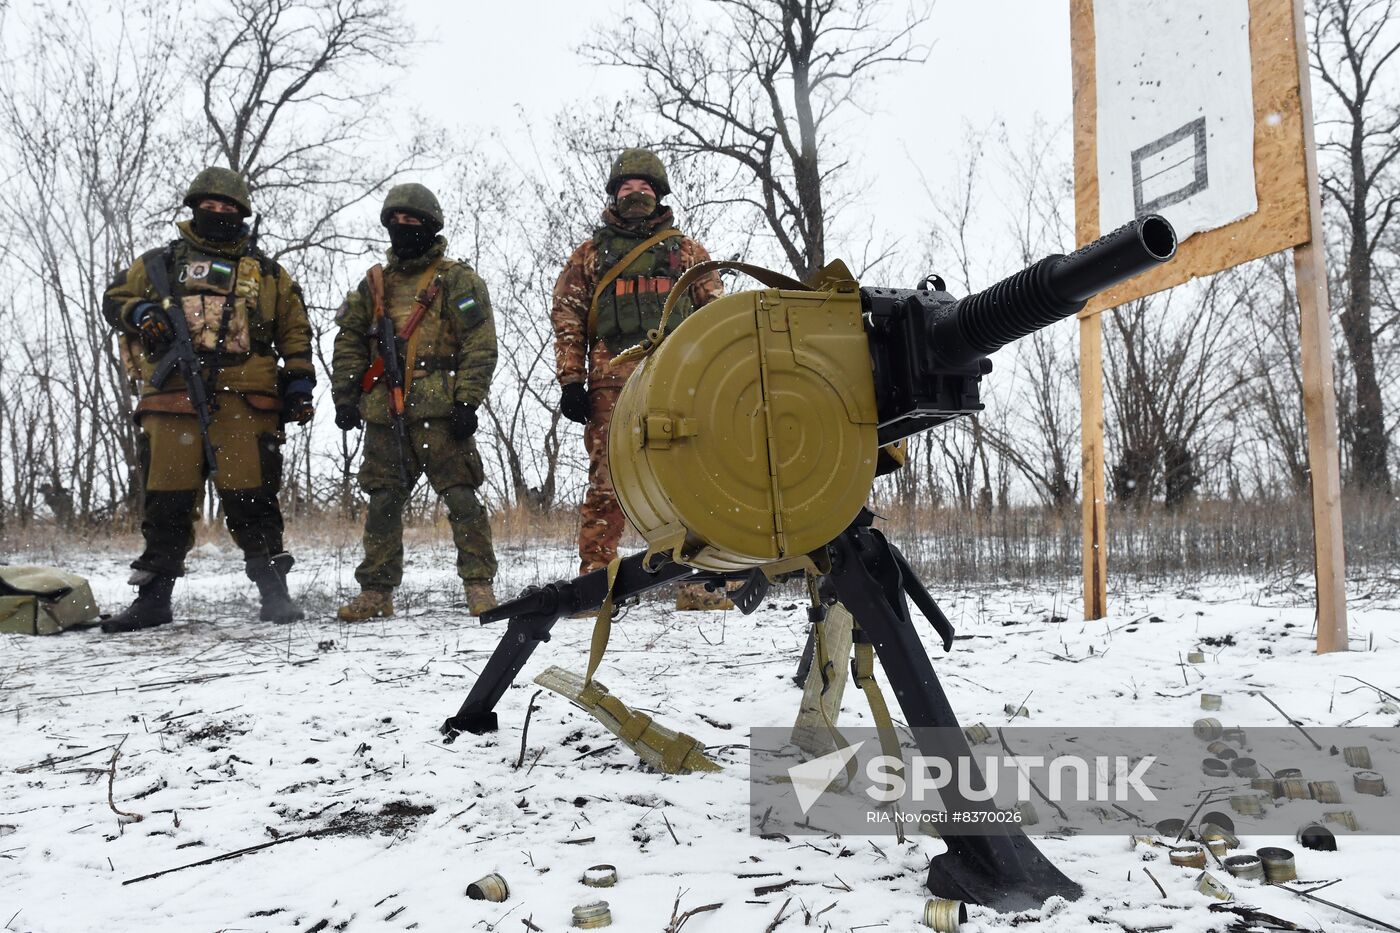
217, 227
411, 240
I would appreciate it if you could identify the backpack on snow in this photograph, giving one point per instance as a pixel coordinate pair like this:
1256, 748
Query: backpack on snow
43, 601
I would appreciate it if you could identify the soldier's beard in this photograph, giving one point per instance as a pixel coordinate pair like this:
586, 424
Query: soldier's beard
636, 206
411, 240
217, 227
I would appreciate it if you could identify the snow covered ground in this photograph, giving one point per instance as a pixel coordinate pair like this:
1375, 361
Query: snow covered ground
235, 733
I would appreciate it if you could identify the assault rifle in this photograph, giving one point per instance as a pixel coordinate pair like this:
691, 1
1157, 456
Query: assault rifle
180, 357
393, 380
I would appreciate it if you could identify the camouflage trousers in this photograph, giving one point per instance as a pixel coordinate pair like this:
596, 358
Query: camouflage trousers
602, 520
454, 469
249, 452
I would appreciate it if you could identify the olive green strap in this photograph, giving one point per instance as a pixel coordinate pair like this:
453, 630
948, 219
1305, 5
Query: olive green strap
764, 276
603, 627
611, 275
863, 671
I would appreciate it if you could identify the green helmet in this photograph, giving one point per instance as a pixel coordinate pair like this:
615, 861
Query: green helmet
639, 163
415, 199
219, 182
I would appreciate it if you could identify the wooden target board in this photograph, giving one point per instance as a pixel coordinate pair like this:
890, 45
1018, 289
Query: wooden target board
1175, 99
1282, 218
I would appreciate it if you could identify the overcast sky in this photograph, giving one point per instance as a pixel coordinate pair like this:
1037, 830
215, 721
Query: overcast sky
487, 62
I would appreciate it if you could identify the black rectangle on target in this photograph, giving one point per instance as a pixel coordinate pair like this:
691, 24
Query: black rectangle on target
1196, 132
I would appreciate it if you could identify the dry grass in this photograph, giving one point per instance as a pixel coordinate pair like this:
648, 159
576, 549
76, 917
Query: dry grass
1263, 540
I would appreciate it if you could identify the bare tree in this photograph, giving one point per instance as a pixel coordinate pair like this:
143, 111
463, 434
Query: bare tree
1171, 389
86, 145
1267, 334
763, 88
291, 95
1354, 43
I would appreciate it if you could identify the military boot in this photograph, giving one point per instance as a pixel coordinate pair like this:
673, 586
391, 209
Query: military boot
368, 605
694, 596
480, 597
150, 608
270, 575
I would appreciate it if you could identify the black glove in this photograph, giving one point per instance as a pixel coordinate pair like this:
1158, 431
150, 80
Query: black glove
298, 408
463, 423
347, 417
153, 325
296, 398
574, 404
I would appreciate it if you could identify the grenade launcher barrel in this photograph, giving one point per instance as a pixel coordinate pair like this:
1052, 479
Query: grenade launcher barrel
930, 349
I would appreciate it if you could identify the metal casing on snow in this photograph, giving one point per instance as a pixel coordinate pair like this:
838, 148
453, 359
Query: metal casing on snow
749, 435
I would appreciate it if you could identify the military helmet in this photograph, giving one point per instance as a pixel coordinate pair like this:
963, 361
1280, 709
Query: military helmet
219, 182
639, 163
415, 199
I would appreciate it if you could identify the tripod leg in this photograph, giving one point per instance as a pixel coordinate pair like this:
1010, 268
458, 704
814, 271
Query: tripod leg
478, 712
1004, 872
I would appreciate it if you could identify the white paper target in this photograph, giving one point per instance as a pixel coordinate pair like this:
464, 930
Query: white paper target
1175, 112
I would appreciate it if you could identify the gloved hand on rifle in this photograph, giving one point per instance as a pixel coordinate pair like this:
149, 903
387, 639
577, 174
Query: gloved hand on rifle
574, 403
463, 423
153, 325
296, 402
347, 417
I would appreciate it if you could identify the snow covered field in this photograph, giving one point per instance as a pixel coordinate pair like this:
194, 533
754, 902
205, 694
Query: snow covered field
234, 733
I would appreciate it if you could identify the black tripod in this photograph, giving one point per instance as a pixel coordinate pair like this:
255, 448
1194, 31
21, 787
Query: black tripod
872, 579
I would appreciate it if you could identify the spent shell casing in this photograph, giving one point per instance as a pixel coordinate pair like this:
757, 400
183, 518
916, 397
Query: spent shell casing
1278, 864
944, 915
1249, 867
592, 915
1357, 756
1369, 782
491, 887
600, 876
1192, 856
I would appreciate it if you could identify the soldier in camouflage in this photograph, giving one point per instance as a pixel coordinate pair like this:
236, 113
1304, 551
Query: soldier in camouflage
609, 295
244, 311
447, 363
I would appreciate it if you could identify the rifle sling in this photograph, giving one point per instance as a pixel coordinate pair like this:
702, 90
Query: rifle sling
611, 275
425, 292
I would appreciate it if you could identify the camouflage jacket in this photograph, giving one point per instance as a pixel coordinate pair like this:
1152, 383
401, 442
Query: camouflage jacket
253, 300
454, 346
578, 356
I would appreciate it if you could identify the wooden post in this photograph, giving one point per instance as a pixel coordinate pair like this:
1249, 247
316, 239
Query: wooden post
1094, 492
1319, 392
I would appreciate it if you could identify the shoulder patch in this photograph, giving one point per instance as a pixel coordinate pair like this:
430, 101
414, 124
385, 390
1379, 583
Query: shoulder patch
466, 304
340, 312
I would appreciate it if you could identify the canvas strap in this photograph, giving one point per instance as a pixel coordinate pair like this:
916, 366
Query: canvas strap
764, 277
425, 292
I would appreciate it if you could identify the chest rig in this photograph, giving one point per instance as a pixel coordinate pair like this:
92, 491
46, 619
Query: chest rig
631, 305
218, 296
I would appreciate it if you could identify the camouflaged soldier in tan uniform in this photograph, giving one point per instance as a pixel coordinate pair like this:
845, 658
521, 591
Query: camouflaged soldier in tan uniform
447, 361
592, 326
243, 312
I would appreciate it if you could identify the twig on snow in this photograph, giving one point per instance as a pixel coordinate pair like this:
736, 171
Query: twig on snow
525, 729
1291, 721
226, 856
781, 916
1148, 873
122, 815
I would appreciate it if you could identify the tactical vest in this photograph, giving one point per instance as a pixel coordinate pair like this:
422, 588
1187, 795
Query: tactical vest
203, 286
220, 294
632, 304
